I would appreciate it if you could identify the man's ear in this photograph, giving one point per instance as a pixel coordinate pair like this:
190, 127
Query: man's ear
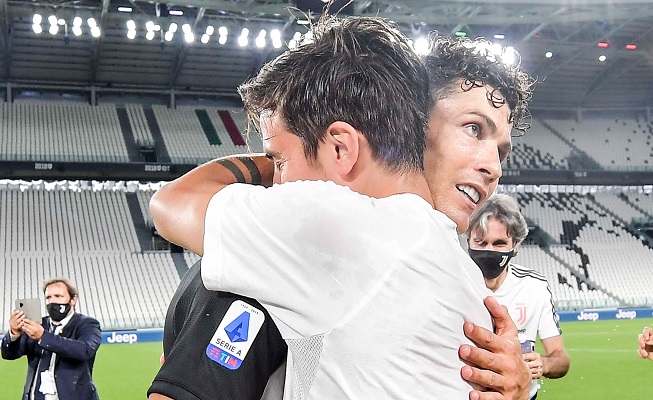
342, 146
73, 301
517, 246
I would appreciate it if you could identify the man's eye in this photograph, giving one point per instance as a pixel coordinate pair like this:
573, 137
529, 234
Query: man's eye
474, 129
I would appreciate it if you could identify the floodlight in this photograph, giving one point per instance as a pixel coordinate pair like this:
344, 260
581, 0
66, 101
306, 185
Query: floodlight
61, 21
91, 22
37, 28
37, 19
260, 41
223, 31
125, 9
205, 38
149, 25
52, 20
77, 30
54, 29
189, 37
421, 46
172, 28
131, 25
95, 32
209, 30
77, 21
548, 54
242, 41
131, 34
149, 35
168, 36
509, 55
186, 28
222, 39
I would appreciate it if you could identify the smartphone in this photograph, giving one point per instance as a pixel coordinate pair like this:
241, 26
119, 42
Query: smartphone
527, 346
30, 307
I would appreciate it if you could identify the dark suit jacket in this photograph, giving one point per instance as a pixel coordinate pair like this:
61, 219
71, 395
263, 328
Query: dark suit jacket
75, 348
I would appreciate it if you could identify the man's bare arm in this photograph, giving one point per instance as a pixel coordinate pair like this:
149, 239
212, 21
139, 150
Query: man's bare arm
554, 362
179, 208
497, 363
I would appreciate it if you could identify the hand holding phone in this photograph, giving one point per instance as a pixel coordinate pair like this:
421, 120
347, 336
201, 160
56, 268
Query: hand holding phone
30, 307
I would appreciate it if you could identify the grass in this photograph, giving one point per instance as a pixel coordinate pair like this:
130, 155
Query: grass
121, 372
604, 365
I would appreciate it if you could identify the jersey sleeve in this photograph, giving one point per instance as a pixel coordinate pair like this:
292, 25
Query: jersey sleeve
287, 246
548, 326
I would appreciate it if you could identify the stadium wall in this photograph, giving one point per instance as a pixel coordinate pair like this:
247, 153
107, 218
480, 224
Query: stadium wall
57, 170
156, 335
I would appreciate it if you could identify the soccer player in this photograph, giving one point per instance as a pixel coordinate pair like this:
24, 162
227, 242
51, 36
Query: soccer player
495, 232
486, 162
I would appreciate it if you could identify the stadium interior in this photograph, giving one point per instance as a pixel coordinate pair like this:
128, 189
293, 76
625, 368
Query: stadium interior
90, 127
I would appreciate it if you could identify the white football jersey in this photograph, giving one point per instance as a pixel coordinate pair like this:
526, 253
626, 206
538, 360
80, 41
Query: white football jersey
527, 295
370, 294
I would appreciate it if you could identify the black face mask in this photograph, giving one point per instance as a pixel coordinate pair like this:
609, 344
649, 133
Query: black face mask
57, 312
492, 263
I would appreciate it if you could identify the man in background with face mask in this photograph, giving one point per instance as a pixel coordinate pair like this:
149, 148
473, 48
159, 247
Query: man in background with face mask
60, 349
495, 231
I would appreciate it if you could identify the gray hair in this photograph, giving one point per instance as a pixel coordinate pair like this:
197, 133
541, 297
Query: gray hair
505, 209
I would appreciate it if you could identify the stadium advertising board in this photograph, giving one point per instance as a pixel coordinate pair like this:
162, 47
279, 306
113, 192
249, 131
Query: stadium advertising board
133, 336
603, 314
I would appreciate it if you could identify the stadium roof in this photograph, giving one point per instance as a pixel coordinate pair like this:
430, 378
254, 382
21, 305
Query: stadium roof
573, 77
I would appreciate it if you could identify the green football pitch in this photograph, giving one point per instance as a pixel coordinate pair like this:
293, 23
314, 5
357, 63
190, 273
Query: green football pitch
604, 365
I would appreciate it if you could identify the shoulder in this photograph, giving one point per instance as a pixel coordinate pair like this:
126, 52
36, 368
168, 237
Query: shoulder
85, 320
527, 274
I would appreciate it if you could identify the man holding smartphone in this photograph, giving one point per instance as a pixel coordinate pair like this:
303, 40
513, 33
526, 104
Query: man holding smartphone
60, 348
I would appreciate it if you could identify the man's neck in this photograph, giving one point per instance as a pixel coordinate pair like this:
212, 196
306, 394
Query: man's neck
495, 283
380, 183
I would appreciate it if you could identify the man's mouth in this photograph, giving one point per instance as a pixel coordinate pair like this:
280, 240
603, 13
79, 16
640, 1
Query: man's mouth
471, 193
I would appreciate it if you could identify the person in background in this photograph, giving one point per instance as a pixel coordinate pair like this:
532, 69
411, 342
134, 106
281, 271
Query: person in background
60, 348
645, 341
495, 232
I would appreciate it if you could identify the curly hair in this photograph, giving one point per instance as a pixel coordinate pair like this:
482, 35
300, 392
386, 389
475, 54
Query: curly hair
360, 70
477, 63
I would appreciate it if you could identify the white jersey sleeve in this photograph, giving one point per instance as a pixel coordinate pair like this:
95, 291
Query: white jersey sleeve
548, 326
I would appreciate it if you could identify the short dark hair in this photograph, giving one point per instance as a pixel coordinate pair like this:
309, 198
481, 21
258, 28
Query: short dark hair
360, 70
472, 63
72, 290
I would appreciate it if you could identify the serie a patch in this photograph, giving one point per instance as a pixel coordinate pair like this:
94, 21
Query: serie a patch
235, 335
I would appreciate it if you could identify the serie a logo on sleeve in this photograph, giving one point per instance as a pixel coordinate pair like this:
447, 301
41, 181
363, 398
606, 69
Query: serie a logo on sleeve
235, 334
